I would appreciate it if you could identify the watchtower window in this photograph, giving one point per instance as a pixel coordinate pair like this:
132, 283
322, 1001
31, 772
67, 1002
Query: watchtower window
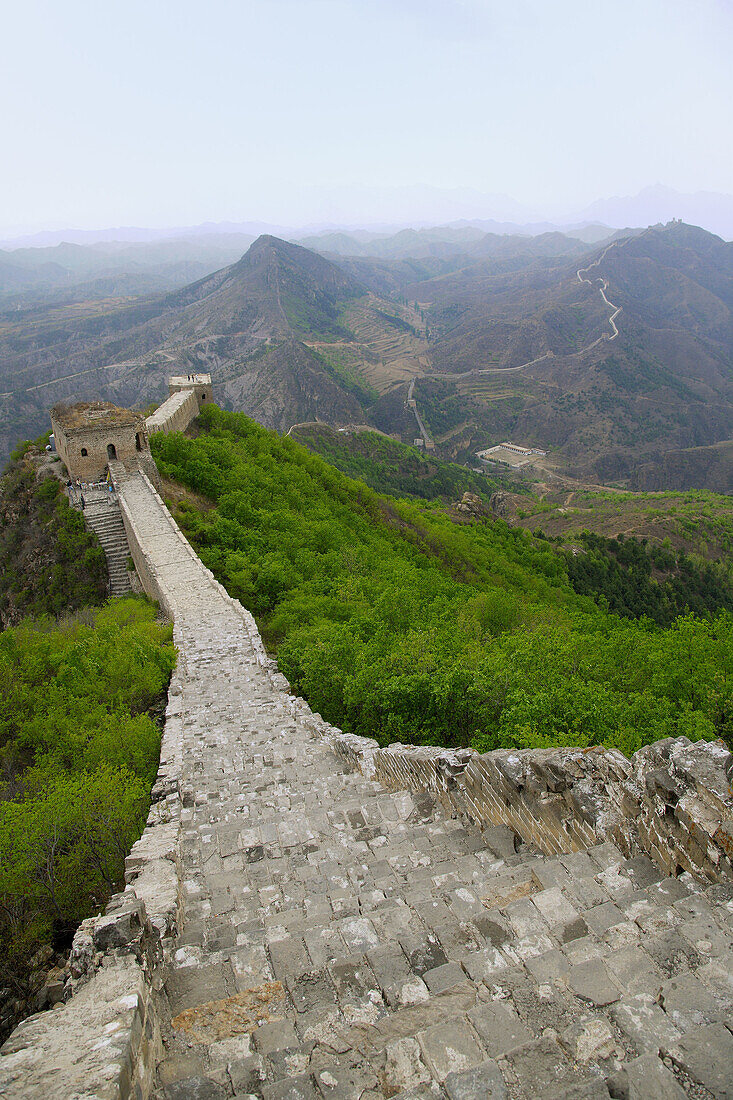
84, 452
138, 442
111, 452
203, 396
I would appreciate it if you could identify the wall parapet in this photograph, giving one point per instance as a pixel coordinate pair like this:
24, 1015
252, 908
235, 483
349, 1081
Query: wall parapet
671, 801
175, 414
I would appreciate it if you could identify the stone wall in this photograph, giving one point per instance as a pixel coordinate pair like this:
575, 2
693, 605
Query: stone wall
175, 414
187, 562
671, 801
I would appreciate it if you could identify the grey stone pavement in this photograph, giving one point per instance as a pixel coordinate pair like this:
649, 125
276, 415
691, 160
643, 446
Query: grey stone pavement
340, 940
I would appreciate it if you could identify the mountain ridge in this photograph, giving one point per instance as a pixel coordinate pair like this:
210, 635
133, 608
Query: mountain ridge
293, 335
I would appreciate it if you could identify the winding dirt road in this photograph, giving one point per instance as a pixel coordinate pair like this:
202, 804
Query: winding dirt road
603, 287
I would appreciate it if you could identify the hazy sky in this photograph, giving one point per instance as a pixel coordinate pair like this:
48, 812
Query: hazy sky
173, 112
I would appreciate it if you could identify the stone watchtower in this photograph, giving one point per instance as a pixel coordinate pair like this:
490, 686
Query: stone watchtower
91, 434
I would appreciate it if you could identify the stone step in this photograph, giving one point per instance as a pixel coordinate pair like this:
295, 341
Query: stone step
105, 519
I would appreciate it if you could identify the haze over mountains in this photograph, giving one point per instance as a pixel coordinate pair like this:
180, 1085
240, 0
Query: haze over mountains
293, 335
416, 207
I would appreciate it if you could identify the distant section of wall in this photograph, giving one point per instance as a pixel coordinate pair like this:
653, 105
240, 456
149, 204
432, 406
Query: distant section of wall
175, 414
671, 801
188, 393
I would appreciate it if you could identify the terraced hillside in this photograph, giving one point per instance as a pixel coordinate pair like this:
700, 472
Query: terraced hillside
394, 337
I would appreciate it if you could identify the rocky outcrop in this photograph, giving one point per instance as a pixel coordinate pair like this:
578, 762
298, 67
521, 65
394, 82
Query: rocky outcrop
473, 507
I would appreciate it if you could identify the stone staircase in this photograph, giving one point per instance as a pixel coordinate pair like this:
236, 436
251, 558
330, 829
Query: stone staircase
102, 514
293, 930
340, 940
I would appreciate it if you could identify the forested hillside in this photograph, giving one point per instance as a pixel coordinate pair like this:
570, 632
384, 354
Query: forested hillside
392, 467
636, 579
81, 690
398, 623
78, 756
49, 561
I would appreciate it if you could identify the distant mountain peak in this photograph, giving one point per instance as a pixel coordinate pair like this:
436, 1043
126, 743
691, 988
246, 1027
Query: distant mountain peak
660, 204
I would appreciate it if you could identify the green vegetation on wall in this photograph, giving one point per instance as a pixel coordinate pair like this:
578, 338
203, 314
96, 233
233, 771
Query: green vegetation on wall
399, 624
78, 756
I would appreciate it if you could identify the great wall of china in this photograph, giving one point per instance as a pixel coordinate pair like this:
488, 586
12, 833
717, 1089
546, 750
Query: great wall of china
310, 916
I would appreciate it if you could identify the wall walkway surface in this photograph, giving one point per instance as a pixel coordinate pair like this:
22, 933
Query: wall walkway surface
308, 915
175, 414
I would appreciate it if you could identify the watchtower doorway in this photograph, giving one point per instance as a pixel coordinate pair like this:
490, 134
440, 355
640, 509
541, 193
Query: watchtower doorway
111, 452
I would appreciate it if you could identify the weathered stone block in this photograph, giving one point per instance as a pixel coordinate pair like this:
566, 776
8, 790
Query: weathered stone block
483, 1082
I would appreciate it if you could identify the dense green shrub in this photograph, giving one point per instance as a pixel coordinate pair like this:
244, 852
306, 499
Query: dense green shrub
399, 624
49, 561
638, 579
78, 756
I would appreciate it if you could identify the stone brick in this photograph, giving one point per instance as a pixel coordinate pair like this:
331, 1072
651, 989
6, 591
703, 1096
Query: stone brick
554, 906
445, 977
482, 965
291, 1088
687, 1002
404, 1067
498, 1028
540, 1067
196, 1088
345, 1082
276, 1035
644, 1078
706, 1055
450, 1047
483, 1082
591, 982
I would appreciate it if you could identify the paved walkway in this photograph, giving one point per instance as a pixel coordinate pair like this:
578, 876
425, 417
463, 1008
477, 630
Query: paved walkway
343, 941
